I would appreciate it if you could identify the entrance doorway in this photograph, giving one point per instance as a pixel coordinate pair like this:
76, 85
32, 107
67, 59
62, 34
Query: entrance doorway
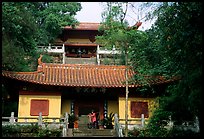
83, 108
84, 121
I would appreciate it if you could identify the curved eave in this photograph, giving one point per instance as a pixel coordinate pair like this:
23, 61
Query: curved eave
80, 44
82, 75
69, 85
84, 26
84, 85
81, 29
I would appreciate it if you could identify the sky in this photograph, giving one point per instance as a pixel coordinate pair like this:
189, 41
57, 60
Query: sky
91, 12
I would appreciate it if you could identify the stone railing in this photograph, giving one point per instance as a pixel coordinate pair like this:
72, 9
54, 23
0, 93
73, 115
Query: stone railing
41, 121
105, 52
117, 126
52, 49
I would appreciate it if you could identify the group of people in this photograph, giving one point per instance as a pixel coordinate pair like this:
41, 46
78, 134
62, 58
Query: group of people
92, 119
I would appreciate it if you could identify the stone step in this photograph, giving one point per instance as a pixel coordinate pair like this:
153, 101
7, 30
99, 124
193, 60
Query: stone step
83, 126
93, 132
81, 135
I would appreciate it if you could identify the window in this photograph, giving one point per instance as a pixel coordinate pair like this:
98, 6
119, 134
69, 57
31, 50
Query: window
138, 108
39, 105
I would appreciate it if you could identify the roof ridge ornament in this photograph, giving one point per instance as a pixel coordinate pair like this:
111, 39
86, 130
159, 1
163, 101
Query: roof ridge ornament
40, 64
40, 60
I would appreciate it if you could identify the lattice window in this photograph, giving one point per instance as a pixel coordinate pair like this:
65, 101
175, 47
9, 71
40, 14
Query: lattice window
138, 108
39, 105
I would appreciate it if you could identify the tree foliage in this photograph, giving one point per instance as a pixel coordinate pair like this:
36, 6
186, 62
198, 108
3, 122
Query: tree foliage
17, 30
174, 48
116, 30
117, 33
25, 25
53, 16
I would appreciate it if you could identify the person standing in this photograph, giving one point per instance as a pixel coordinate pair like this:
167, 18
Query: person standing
93, 118
90, 121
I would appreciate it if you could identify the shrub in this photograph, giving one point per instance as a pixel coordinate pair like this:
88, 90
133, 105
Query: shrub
71, 119
175, 132
45, 132
162, 132
10, 131
133, 133
108, 121
29, 131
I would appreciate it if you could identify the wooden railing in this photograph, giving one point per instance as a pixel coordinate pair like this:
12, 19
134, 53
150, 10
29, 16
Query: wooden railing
41, 121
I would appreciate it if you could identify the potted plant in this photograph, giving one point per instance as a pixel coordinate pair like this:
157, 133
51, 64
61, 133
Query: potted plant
108, 121
72, 119
101, 124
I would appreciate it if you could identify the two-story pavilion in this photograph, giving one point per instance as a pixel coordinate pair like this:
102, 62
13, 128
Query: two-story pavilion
54, 89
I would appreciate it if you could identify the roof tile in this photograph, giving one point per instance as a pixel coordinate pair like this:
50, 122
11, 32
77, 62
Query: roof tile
84, 26
79, 75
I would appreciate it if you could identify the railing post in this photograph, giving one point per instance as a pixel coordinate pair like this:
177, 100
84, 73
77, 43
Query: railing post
63, 54
12, 120
49, 47
97, 55
142, 120
115, 120
117, 126
170, 122
66, 119
196, 124
120, 132
54, 120
65, 126
40, 119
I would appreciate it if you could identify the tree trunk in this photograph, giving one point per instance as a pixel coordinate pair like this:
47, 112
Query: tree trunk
126, 89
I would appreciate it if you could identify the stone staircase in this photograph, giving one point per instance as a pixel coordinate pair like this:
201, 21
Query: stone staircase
84, 131
94, 133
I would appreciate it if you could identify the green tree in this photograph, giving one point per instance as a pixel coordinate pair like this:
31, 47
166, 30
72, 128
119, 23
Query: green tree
52, 17
18, 31
25, 25
116, 32
174, 49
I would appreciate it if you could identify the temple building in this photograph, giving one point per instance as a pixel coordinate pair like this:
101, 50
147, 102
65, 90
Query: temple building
78, 46
78, 88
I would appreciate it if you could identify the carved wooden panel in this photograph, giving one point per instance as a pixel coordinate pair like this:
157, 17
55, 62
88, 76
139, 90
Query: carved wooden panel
39, 105
138, 108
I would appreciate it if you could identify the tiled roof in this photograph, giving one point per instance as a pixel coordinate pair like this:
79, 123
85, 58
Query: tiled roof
79, 75
84, 26
81, 44
92, 26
